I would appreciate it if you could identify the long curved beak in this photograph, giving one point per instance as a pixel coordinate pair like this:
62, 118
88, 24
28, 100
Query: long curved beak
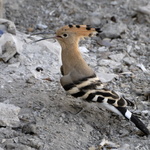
42, 33
44, 39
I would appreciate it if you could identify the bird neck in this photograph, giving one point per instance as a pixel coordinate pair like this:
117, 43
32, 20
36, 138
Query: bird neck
72, 58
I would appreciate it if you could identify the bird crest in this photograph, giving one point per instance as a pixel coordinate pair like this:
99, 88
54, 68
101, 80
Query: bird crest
79, 30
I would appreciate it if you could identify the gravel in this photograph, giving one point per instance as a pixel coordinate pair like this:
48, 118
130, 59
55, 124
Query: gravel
30, 80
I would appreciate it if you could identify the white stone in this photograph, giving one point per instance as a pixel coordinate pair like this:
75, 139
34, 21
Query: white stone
129, 48
41, 26
8, 25
102, 49
106, 77
8, 50
9, 115
117, 57
108, 62
129, 60
144, 9
9, 46
142, 67
83, 49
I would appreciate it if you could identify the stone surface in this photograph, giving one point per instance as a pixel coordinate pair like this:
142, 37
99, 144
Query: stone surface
8, 26
143, 12
117, 57
105, 42
106, 77
8, 51
93, 20
9, 44
129, 60
45, 102
29, 128
9, 115
108, 62
113, 30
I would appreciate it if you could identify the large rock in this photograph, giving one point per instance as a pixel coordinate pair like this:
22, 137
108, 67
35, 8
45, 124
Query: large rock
9, 115
7, 26
9, 43
8, 51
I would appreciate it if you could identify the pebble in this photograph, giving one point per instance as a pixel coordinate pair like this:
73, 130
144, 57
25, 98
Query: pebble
107, 62
38, 69
129, 60
117, 57
132, 54
30, 29
29, 128
113, 2
118, 69
105, 42
41, 26
129, 48
102, 49
31, 80
83, 49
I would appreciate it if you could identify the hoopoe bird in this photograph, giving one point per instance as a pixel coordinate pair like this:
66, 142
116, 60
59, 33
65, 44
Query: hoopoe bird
79, 79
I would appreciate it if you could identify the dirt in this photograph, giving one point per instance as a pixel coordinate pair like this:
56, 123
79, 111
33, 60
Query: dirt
49, 119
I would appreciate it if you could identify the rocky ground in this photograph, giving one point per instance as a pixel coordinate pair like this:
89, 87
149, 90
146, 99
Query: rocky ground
36, 113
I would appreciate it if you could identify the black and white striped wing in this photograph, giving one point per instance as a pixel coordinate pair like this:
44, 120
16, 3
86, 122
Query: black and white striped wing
91, 89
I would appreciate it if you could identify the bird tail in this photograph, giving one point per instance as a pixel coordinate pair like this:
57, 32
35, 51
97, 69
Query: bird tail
138, 123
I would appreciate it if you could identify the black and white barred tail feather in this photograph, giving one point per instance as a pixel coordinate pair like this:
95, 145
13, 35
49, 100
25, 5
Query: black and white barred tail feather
91, 89
138, 123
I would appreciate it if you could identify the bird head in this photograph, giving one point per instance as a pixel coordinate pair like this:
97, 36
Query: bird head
70, 34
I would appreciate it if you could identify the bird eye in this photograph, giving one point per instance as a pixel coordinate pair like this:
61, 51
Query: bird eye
65, 35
